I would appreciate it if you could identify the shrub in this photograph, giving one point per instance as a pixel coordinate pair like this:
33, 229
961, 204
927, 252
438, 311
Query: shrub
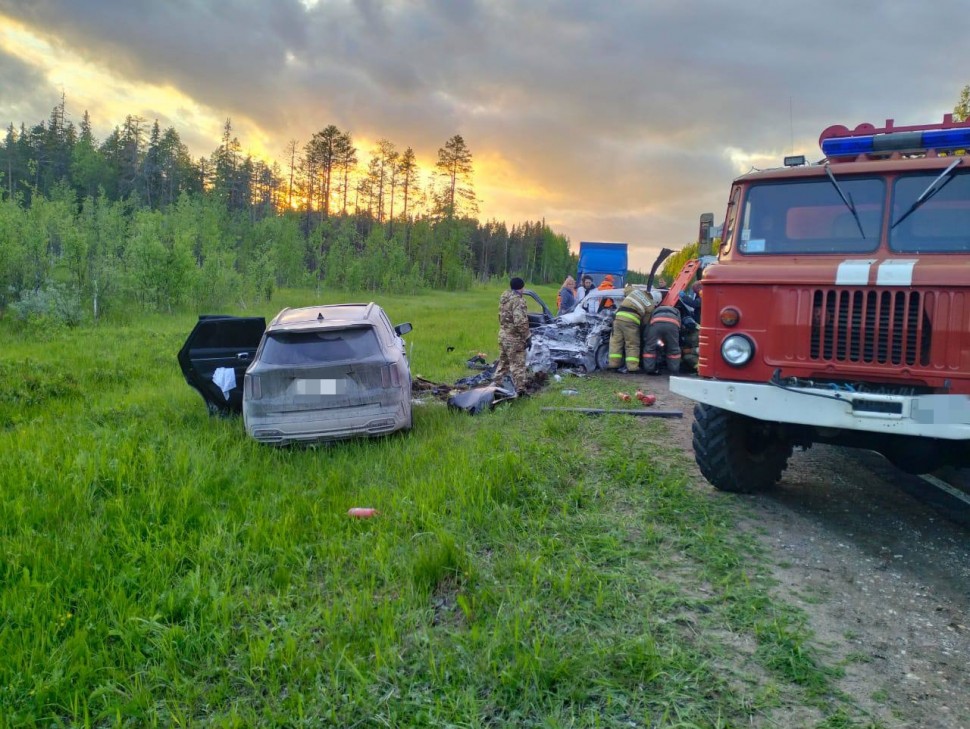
52, 305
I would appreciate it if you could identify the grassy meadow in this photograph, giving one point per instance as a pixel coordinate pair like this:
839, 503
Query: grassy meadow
157, 568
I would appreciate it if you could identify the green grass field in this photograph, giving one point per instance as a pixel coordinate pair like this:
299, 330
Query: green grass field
158, 568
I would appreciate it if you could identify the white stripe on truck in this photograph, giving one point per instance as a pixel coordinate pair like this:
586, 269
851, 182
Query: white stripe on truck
854, 272
897, 272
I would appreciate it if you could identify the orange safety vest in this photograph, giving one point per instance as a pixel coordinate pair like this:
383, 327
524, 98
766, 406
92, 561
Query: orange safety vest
604, 285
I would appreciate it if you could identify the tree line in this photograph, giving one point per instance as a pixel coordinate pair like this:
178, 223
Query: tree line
89, 226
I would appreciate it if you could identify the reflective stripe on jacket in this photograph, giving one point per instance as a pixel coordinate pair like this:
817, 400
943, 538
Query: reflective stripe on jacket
629, 315
667, 314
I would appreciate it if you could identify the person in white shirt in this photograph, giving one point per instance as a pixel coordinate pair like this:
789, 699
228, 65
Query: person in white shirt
585, 287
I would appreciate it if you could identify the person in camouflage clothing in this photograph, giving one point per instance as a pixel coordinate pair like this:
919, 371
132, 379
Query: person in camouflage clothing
513, 335
625, 337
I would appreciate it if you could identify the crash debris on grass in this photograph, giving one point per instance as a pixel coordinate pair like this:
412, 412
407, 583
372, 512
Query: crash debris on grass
477, 393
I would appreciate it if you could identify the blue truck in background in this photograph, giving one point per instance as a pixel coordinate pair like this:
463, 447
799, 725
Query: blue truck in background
599, 259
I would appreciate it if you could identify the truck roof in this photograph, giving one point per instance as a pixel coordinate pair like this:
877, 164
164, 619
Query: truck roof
867, 166
868, 149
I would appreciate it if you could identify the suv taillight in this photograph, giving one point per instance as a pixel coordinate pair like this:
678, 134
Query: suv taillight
390, 377
253, 388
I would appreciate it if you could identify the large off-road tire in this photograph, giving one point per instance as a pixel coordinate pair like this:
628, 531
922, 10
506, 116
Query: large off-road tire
737, 453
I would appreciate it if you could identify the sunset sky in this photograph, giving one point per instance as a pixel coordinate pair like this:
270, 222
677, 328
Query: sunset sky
619, 120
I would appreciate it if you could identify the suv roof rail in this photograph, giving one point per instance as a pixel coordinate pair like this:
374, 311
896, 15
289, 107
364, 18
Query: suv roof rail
279, 315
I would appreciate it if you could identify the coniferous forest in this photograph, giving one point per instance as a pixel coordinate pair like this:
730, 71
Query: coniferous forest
92, 226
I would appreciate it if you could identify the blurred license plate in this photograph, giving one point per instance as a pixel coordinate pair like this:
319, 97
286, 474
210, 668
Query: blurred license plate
319, 387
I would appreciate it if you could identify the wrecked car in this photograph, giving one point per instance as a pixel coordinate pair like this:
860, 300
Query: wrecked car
580, 339
316, 373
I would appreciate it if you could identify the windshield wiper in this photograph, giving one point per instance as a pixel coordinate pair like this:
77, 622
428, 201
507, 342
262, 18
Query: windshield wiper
846, 200
933, 188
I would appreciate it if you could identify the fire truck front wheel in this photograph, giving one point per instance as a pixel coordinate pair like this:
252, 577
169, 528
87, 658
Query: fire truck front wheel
737, 453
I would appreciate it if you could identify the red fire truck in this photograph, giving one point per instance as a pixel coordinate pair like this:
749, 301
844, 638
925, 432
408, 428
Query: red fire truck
839, 309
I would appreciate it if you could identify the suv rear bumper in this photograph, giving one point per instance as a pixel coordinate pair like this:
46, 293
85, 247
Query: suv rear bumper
930, 416
327, 424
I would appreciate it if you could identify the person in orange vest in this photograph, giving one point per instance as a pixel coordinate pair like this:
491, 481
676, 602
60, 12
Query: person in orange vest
606, 283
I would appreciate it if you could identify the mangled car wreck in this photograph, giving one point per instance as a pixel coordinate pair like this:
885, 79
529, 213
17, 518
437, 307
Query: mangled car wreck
579, 340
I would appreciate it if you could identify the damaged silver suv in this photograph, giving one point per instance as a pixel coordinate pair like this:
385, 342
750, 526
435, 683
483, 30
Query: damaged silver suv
318, 373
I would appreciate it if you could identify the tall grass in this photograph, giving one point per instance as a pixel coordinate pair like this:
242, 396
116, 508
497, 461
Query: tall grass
158, 568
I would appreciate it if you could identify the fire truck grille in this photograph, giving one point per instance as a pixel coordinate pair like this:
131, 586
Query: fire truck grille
883, 327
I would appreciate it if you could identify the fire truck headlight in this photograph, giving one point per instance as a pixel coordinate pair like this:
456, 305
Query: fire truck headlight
737, 350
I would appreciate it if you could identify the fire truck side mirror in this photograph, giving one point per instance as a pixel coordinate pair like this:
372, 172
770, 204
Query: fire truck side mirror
705, 241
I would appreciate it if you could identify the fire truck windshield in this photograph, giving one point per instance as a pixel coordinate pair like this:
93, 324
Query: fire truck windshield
940, 223
810, 216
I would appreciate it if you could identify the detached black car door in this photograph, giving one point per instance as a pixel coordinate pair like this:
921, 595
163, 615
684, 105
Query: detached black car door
216, 346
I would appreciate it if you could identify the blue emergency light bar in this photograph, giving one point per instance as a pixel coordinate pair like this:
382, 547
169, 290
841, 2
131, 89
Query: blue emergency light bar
909, 141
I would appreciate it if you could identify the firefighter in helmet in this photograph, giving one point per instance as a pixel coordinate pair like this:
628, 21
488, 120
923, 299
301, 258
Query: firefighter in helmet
625, 338
664, 327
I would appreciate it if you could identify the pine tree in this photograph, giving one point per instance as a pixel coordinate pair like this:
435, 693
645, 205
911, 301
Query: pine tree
10, 160
324, 147
455, 167
407, 170
380, 176
132, 144
88, 169
291, 149
347, 161
178, 172
151, 173
230, 180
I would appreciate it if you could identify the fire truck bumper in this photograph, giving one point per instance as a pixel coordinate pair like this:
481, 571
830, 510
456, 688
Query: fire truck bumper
929, 416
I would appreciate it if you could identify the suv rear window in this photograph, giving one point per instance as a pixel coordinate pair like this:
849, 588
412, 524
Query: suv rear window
302, 348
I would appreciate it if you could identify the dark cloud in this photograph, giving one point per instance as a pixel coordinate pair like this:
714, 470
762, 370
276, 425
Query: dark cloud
24, 92
625, 110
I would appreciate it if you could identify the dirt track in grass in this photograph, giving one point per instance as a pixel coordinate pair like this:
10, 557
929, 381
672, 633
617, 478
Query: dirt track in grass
884, 578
